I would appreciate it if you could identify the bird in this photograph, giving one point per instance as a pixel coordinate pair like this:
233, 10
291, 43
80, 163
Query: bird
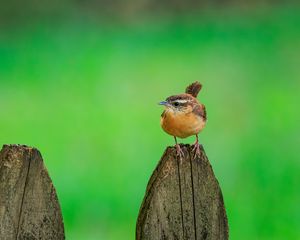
184, 116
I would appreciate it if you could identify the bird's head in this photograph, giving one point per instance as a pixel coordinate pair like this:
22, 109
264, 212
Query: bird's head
178, 103
183, 103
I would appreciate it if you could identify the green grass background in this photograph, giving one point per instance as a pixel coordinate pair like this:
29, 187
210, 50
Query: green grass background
85, 93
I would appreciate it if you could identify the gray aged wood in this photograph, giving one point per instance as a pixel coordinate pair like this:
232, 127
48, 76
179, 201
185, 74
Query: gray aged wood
183, 200
29, 208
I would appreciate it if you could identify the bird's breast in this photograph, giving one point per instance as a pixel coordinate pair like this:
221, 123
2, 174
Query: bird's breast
181, 124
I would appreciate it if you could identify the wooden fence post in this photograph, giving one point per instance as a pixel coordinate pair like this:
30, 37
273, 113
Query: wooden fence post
29, 208
183, 200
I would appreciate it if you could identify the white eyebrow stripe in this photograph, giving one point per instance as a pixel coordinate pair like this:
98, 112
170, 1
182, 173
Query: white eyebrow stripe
181, 101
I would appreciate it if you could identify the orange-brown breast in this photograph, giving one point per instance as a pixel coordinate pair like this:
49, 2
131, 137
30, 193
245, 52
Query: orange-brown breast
180, 124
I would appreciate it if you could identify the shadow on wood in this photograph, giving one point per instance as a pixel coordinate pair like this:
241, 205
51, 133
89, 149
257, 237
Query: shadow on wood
29, 208
183, 200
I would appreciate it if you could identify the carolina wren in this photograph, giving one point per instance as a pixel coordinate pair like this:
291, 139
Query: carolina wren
184, 116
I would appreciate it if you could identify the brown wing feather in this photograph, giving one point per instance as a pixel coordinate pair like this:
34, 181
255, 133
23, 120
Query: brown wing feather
200, 110
194, 88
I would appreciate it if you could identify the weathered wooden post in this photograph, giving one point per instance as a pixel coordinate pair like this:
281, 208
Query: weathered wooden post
29, 208
183, 200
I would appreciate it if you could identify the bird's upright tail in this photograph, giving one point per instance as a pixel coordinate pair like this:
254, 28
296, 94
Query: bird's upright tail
194, 89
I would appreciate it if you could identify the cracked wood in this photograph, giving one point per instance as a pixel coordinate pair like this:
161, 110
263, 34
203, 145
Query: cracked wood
29, 208
183, 201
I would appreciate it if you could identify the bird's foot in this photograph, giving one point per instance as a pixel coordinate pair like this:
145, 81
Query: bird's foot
196, 150
179, 152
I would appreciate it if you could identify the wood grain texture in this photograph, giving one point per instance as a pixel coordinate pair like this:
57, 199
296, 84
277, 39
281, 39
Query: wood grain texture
29, 208
183, 200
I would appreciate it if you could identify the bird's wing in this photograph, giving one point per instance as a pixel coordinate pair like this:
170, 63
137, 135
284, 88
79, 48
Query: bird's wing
194, 88
200, 110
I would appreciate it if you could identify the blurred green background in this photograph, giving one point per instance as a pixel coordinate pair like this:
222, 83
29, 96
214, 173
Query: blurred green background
81, 82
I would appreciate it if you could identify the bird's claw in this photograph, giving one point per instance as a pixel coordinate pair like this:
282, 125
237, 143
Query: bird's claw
179, 152
196, 150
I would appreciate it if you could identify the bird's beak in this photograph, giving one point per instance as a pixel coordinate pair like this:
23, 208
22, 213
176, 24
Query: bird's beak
165, 103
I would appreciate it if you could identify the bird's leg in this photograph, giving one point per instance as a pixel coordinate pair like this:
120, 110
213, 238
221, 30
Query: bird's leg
179, 151
196, 148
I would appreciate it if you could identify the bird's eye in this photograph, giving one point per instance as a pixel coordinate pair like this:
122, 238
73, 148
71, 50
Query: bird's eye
176, 104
